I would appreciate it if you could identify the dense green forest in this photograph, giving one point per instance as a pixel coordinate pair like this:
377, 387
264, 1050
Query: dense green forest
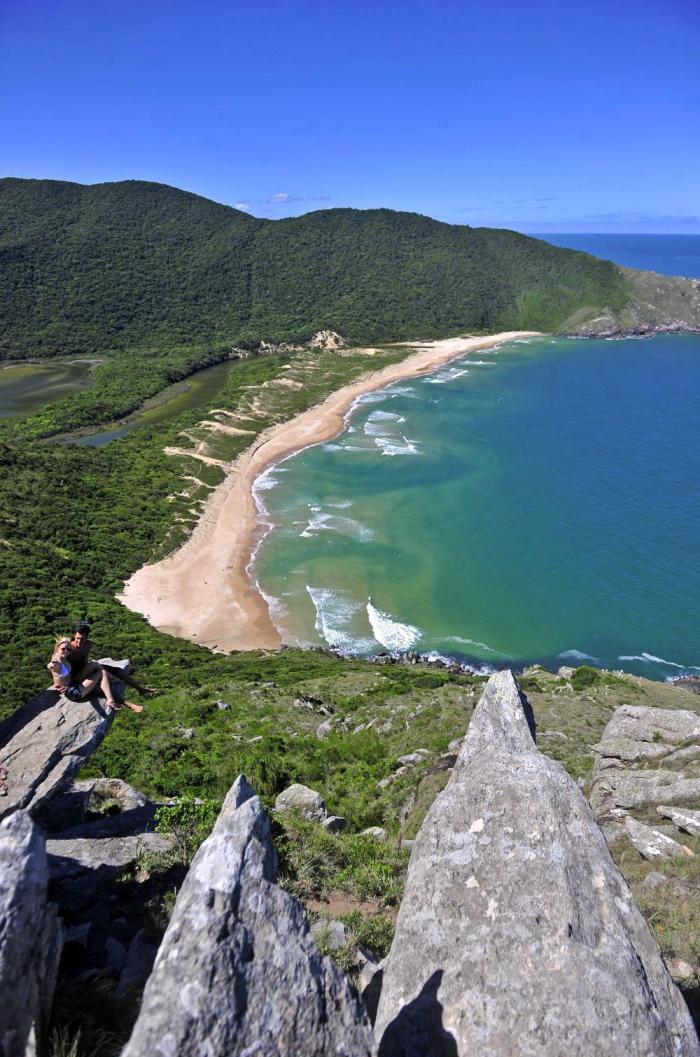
135, 265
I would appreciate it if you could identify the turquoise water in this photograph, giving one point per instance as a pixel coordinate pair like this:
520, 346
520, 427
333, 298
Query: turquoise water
540, 502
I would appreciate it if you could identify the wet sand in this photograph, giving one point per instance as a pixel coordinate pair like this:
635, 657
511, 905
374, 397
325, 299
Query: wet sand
203, 592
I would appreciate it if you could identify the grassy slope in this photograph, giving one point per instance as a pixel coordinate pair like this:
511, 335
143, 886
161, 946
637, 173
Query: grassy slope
268, 731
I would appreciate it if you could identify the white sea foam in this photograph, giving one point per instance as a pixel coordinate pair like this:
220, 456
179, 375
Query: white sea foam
390, 633
474, 642
385, 416
576, 655
344, 526
477, 669
649, 658
448, 375
334, 611
266, 480
521, 341
381, 426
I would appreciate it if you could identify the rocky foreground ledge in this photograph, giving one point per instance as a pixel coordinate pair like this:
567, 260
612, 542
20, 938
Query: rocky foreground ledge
516, 935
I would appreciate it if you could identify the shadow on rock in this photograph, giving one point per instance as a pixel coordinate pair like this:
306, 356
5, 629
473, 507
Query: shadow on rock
418, 1030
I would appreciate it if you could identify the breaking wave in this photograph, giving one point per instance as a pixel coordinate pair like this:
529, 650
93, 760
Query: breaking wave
576, 655
334, 612
649, 658
390, 633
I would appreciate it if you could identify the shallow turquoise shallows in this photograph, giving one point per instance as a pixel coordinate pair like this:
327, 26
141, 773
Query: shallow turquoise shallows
540, 502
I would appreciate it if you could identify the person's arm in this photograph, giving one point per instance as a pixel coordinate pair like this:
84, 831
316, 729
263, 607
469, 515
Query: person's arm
58, 682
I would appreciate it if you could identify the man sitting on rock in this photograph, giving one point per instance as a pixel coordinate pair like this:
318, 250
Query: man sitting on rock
81, 665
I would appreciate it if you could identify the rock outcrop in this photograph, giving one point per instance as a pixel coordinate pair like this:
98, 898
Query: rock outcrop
645, 758
44, 744
517, 933
237, 971
30, 936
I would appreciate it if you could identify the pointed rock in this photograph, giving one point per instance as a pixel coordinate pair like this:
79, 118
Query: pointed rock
30, 936
238, 972
517, 931
44, 744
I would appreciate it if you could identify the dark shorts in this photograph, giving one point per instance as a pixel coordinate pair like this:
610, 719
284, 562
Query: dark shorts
74, 693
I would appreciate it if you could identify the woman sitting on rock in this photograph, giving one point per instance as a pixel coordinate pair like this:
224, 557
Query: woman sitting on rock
78, 687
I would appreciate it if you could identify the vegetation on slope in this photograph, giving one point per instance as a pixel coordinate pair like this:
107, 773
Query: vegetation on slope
124, 265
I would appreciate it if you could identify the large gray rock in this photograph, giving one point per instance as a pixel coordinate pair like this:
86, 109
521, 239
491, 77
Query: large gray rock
299, 798
634, 729
517, 933
30, 937
639, 788
44, 744
635, 737
237, 971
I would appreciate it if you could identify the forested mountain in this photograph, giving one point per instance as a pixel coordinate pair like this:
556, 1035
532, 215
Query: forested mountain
113, 266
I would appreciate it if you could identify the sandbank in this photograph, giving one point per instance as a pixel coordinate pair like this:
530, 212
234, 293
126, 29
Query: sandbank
204, 592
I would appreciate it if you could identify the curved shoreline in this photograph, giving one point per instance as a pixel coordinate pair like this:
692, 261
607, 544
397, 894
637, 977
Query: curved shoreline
203, 592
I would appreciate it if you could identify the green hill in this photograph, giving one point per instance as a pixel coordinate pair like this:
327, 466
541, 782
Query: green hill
112, 266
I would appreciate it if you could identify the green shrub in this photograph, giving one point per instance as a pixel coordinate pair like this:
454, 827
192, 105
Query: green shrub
191, 821
585, 677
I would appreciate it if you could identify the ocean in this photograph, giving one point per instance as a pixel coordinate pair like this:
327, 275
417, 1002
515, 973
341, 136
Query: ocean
539, 502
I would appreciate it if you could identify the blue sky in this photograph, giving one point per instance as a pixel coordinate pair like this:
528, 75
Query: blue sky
537, 115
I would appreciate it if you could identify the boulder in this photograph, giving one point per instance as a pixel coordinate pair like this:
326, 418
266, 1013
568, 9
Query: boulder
334, 823
651, 844
412, 759
45, 743
324, 729
375, 832
306, 802
517, 932
30, 937
237, 971
639, 788
682, 818
636, 732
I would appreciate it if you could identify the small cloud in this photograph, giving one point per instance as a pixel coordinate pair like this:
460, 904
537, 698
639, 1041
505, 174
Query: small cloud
552, 198
282, 198
242, 205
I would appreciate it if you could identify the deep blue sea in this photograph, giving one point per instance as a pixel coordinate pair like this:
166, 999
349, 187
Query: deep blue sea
537, 502
668, 254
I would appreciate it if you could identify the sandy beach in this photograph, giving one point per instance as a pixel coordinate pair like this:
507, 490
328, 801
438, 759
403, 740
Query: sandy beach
203, 592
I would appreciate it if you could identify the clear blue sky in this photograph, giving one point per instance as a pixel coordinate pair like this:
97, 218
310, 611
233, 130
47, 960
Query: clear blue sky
543, 115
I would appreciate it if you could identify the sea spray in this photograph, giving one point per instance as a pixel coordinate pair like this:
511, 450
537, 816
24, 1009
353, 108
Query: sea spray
390, 633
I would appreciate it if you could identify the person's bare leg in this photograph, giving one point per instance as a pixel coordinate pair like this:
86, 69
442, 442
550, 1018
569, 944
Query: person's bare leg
127, 704
102, 678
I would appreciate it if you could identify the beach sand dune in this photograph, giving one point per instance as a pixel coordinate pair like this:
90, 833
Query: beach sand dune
203, 592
